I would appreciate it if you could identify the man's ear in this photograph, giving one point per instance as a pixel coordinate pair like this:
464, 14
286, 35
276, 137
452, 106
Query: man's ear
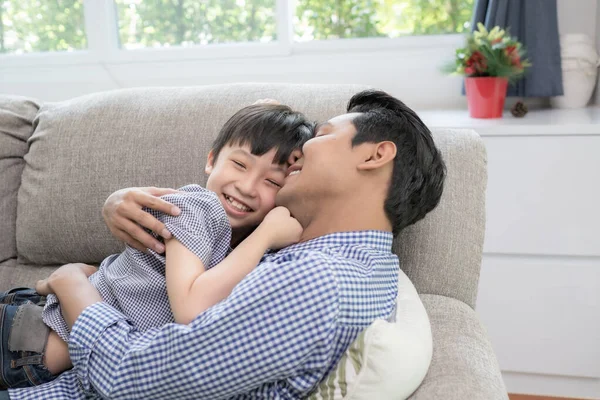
380, 154
209, 162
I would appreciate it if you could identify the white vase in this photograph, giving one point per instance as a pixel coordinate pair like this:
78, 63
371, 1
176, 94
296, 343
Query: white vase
579, 70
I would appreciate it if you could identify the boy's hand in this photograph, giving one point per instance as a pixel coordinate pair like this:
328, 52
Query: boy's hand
68, 271
125, 218
280, 228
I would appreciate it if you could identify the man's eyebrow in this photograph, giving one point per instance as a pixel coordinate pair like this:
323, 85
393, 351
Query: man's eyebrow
321, 125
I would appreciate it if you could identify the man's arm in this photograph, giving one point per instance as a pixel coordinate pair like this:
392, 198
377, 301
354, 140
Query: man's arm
278, 323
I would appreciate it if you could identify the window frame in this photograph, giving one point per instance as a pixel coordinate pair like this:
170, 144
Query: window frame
101, 27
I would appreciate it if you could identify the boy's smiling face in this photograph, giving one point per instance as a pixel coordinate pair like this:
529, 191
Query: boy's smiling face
246, 185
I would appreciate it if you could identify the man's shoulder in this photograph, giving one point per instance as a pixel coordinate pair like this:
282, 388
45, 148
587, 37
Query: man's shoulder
311, 258
302, 266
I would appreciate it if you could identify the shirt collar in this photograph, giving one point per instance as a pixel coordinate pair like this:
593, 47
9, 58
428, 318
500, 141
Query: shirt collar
377, 240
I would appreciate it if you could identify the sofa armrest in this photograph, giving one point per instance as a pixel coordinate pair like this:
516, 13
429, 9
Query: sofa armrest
464, 365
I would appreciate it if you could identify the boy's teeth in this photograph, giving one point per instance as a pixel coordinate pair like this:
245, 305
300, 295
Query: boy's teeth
295, 172
236, 204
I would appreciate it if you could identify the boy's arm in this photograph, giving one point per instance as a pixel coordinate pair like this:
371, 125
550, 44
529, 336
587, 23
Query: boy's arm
192, 289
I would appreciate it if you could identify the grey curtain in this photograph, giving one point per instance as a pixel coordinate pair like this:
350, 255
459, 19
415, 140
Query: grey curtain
535, 24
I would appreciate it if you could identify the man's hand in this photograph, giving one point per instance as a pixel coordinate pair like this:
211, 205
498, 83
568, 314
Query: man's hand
47, 286
125, 218
280, 228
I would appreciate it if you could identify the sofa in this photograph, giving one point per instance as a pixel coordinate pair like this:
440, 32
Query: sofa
60, 161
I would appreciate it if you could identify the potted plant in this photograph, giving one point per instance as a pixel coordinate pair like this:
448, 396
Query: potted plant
489, 61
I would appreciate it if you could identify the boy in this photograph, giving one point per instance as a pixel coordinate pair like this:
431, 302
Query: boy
246, 167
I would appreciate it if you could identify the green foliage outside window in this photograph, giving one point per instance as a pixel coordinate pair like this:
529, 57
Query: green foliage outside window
58, 25
41, 25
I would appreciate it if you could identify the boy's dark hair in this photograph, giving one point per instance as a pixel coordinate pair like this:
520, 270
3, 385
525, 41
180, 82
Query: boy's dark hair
264, 127
419, 171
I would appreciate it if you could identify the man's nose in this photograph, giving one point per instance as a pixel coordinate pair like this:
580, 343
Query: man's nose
295, 156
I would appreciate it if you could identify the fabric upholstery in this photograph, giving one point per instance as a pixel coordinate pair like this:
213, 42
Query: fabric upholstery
388, 360
14, 274
16, 118
442, 253
86, 148
462, 355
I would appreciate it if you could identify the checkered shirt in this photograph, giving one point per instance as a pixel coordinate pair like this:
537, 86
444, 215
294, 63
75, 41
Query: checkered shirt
278, 334
134, 282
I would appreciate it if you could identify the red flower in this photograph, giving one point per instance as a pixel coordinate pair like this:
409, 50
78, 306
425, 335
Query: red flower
513, 55
476, 63
495, 41
469, 70
517, 62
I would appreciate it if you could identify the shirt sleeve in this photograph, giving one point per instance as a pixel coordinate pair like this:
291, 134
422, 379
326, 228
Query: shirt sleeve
202, 227
275, 332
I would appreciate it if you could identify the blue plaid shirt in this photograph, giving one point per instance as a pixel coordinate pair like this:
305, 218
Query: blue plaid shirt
278, 334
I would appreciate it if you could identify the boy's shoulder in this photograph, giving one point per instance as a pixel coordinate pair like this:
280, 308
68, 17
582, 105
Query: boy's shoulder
192, 192
195, 202
192, 189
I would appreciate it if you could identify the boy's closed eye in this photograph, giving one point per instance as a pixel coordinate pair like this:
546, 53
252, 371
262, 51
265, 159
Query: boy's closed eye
239, 164
274, 183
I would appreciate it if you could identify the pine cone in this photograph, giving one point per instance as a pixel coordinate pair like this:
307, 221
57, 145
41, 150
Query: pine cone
519, 109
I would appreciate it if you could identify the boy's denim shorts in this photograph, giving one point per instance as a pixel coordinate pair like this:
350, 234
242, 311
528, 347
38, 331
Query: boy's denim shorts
23, 339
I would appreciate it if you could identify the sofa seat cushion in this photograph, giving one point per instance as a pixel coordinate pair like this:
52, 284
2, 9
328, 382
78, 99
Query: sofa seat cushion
15, 274
462, 355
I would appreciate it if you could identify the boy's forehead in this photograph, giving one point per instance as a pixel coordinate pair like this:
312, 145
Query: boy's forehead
270, 156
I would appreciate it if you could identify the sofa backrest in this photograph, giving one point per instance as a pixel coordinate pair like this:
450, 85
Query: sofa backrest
84, 149
16, 126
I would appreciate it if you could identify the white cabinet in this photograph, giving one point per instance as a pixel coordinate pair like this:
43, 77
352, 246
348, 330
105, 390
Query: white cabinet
539, 290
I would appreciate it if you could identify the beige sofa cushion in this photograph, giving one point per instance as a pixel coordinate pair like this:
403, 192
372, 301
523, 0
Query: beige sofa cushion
16, 125
84, 149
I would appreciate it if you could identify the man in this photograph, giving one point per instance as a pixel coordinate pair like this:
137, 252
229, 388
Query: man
363, 177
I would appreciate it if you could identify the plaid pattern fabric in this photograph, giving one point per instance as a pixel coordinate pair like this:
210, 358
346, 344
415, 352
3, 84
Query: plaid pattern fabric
278, 334
134, 282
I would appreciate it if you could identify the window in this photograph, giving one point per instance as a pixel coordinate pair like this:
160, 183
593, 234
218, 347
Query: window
164, 23
337, 19
40, 25
60, 25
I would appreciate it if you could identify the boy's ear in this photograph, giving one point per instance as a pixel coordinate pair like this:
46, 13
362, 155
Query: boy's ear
209, 162
380, 154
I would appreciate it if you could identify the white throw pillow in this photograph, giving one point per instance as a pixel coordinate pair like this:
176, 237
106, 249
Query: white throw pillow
388, 360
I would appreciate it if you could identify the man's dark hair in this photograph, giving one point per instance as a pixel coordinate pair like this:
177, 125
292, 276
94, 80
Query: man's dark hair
264, 127
419, 171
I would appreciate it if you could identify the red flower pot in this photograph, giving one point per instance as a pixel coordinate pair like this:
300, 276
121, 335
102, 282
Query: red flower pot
485, 96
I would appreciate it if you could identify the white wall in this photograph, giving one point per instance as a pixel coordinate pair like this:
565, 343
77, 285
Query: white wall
581, 16
577, 16
411, 73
